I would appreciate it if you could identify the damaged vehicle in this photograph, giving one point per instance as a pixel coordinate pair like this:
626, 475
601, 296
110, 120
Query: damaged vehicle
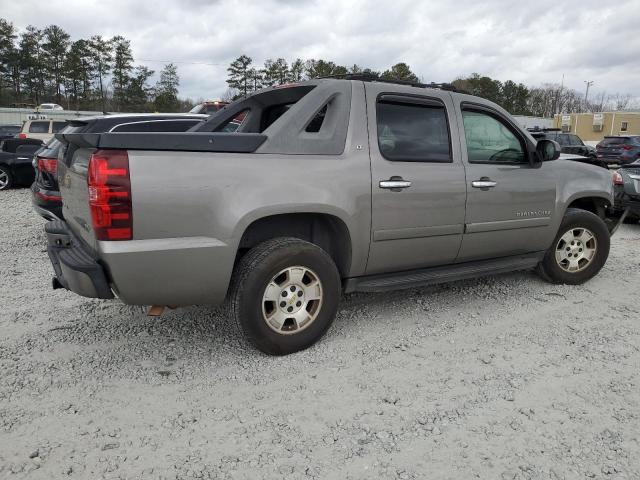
324, 187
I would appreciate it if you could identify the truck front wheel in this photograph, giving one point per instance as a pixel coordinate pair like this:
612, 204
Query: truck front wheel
579, 250
284, 295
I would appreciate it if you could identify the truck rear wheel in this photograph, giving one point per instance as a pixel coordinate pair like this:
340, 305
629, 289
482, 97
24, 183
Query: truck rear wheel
284, 295
579, 250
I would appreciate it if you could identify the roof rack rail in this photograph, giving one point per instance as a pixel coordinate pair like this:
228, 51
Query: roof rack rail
543, 129
370, 77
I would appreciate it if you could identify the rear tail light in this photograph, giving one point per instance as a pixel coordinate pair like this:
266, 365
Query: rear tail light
617, 179
110, 195
48, 165
627, 147
22, 135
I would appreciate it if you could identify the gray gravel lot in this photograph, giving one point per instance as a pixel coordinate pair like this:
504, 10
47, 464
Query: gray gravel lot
504, 377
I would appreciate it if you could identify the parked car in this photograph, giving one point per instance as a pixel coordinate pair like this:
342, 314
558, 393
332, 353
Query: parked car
569, 142
15, 162
41, 129
627, 190
619, 150
46, 194
50, 106
209, 108
327, 186
9, 131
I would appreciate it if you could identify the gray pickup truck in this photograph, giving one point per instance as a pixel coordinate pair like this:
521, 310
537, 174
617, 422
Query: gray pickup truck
326, 186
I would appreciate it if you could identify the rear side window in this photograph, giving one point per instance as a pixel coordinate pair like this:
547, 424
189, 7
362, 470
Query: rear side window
413, 132
57, 126
39, 127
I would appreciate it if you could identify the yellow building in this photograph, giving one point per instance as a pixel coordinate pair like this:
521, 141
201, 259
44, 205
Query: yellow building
593, 127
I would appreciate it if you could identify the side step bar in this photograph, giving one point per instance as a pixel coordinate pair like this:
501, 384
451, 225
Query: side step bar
448, 273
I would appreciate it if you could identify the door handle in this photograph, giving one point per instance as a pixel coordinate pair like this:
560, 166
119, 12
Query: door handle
394, 183
484, 182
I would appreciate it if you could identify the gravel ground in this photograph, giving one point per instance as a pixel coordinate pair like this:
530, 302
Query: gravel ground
505, 377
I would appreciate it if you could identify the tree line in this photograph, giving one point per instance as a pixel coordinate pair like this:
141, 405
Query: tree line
96, 73
544, 101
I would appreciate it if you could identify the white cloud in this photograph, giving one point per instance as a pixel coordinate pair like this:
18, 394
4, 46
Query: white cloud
528, 42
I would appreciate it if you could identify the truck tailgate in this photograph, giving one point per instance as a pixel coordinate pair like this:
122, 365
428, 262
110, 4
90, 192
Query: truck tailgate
73, 162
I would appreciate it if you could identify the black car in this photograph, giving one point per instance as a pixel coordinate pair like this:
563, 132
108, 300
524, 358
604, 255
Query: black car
569, 142
619, 150
15, 161
46, 194
9, 131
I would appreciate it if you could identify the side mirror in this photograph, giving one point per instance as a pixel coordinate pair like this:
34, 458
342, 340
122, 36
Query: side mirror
547, 150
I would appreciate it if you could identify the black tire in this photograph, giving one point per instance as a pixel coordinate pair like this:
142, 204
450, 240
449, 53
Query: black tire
252, 275
5, 173
574, 219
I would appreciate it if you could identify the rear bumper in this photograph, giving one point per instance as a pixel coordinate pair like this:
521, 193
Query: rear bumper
75, 269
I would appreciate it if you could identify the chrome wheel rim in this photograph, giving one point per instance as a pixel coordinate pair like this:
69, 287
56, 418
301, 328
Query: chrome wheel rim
576, 249
4, 179
292, 300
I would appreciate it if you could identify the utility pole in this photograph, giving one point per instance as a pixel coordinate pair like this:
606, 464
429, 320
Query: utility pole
586, 94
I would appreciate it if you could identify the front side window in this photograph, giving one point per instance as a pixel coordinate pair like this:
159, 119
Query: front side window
57, 126
489, 140
576, 140
413, 132
39, 127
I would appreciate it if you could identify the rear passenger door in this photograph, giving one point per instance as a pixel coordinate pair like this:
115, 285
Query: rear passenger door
418, 180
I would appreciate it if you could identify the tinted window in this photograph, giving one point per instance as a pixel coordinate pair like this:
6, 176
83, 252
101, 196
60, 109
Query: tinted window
39, 127
615, 141
8, 129
413, 132
57, 126
490, 140
575, 140
273, 113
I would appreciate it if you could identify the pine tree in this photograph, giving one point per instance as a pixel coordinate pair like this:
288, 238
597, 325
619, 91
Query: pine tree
122, 68
102, 56
296, 71
9, 62
255, 79
167, 89
138, 90
238, 77
55, 47
31, 63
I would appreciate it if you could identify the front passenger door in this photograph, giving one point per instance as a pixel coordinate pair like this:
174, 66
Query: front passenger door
509, 202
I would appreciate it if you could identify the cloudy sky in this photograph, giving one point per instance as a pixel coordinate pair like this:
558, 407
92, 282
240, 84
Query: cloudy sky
530, 42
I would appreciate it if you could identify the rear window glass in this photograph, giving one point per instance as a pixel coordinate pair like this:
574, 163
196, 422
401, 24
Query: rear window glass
615, 141
57, 126
39, 127
157, 126
413, 132
9, 129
